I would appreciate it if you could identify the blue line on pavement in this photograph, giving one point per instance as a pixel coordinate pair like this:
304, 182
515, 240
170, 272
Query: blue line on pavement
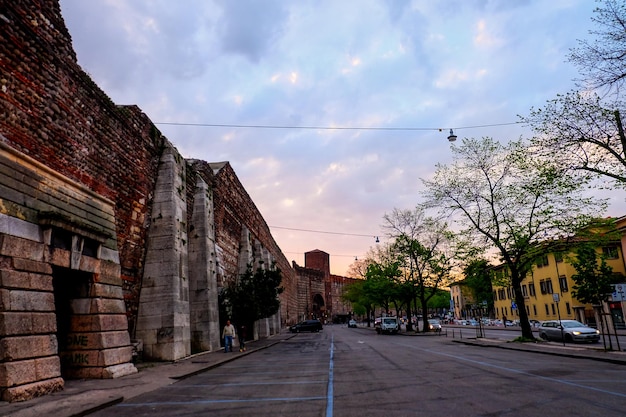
329, 395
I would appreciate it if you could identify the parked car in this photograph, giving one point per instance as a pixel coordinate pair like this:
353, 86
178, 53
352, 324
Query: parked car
434, 325
352, 323
569, 331
306, 326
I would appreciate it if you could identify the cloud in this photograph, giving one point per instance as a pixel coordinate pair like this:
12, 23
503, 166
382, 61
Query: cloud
349, 63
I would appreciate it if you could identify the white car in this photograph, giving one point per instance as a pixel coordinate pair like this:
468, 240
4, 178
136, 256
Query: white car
568, 331
352, 323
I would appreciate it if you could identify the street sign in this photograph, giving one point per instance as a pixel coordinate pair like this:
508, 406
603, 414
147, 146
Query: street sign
555, 297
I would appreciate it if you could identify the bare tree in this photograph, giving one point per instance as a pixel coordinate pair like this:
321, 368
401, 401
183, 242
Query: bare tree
575, 131
582, 130
602, 61
503, 200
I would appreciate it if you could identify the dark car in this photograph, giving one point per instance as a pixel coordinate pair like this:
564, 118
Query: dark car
306, 326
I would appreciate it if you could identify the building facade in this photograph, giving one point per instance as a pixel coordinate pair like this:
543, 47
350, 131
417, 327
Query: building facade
547, 289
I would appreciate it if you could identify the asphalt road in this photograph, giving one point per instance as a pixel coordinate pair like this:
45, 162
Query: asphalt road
355, 372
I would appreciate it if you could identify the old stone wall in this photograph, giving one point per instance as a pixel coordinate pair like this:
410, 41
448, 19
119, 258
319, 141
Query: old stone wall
106, 232
311, 290
236, 213
53, 112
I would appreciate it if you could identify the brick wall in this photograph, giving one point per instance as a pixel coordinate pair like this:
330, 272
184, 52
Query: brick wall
53, 112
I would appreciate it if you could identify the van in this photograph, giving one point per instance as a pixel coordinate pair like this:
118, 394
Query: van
390, 325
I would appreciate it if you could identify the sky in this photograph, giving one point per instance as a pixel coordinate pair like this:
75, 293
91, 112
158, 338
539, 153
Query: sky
331, 112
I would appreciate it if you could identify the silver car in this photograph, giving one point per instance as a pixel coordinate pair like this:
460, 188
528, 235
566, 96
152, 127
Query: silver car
568, 331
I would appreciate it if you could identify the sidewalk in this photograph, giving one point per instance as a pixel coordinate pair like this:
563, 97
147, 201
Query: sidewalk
82, 397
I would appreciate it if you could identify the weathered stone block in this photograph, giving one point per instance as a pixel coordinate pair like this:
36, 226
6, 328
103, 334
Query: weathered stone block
31, 301
107, 306
120, 370
115, 356
34, 390
58, 257
25, 280
29, 265
26, 323
79, 358
21, 248
99, 322
17, 373
107, 291
24, 347
47, 368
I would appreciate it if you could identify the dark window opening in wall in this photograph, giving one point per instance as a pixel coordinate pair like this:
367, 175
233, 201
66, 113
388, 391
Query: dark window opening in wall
61, 239
90, 248
610, 252
547, 310
531, 289
542, 261
68, 285
563, 283
569, 308
553, 310
535, 310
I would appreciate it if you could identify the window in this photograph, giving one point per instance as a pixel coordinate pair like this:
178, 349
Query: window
563, 283
546, 286
558, 257
531, 289
535, 310
542, 261
547, 311
569, 309
524, 290
553, 310
610, 252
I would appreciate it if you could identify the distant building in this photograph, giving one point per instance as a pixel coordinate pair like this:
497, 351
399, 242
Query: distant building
320, 292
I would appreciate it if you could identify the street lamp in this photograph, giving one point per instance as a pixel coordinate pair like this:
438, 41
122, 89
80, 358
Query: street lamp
452, 136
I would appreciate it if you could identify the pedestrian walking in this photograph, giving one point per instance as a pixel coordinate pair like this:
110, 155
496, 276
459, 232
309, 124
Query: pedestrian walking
242, 338
228, 333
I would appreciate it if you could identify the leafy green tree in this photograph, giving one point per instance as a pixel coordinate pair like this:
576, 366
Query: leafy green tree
593, 278
355, 295
380, 283
422, 243
504, 200
254, 296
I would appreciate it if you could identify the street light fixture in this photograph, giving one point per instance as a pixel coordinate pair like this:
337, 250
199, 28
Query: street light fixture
452, 136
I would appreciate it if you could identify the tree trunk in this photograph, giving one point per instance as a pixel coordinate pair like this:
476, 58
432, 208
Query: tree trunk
527, 331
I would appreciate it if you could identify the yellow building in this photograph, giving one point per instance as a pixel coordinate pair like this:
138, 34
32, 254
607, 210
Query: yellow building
547, 289
461, 299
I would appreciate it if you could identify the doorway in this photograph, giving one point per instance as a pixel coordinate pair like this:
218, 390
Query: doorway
69, 285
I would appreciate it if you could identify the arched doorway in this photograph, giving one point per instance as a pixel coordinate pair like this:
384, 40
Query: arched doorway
319, 308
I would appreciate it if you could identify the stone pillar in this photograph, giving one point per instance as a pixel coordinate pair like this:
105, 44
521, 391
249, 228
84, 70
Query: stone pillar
204, 311
245, 252
163, 317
